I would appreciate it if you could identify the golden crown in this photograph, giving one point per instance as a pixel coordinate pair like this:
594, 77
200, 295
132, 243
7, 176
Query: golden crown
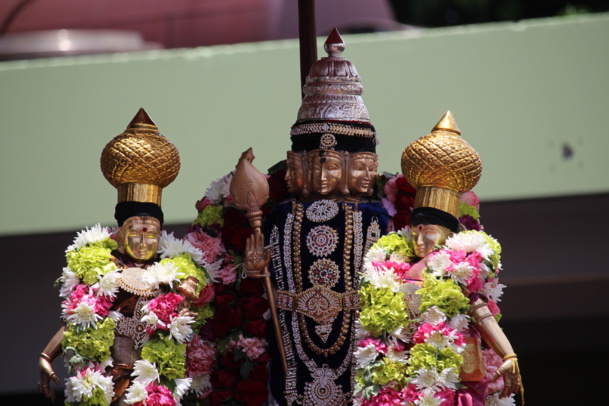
140, 162
441, 166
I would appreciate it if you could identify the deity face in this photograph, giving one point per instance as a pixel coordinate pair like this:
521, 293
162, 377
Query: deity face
139, 238
362, 173
426, 236
326, 172
294, 175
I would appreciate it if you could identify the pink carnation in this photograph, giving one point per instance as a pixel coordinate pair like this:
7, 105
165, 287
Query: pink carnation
84, 294
159, 395
471, 199
252, 347
447, 395
391, 188
426, 330
492, 362
385, 397
401, 269
211, 247
228, 272
411, 393
200, 355
165, 306
474, 284
492, 306
202, 204
380, 346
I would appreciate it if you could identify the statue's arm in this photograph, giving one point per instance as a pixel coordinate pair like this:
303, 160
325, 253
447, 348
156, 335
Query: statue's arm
494, 336
50, 352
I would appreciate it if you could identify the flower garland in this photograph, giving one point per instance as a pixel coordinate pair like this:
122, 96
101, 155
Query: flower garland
240, 324
414, 318
173, 361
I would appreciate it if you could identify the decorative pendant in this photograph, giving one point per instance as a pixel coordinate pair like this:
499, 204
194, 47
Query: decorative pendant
322, 210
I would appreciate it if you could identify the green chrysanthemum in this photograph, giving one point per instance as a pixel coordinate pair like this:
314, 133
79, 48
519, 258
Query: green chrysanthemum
426, 356
496, 247
212, 214
467, 210
168, 355
389, 371
394, 243
92, 343
445, 294
90, 262
382, 310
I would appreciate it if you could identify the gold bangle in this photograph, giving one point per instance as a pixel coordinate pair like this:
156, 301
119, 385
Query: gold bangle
45, 356
509, 356
484, 316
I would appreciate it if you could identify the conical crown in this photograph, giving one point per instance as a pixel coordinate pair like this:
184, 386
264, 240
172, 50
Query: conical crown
441, 166
140, 162
333, 89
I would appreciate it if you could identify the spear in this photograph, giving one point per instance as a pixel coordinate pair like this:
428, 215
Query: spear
250, 190
307, 38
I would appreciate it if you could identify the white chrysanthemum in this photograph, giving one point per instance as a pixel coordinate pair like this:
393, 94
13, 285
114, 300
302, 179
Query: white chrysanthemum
83, 385
403, 334
180, 328
439, 262
462, 272
97, 233
108, 362
426, 379
484, 270
433, 316
494, 291
428, 399
365, 355
397, 356
219, 189
201, 384
212, 269
376, 254
84, 315
360, 331
69, 281
165, 273
152, 319
381, 277
108, 284
405, 232
182, 386
470, 241
135, 393
170, 247
145, 372
114, 315
442, 341
495, 400
459, 322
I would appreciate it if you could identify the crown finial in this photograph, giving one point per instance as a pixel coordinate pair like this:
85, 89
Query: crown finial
334, 45
141, 118
447, 123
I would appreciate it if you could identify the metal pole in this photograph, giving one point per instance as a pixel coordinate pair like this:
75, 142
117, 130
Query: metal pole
308, 39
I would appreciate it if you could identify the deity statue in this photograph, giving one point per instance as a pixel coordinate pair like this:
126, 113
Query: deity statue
440, 282
131, 315
318, 238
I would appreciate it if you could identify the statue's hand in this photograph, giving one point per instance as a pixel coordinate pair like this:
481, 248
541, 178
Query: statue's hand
256, 257
510, 372
46, 374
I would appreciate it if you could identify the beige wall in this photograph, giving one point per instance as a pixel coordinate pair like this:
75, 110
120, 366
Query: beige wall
520, 92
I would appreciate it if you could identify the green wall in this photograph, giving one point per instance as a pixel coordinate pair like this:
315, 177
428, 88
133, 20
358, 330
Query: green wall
521, 93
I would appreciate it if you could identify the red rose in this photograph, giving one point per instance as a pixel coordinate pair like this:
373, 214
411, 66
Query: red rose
224, 379
225, 299
263, 358
278, 189
206, 296
218, 397
226, 320
403, 202
251, 287
256, 327
253, 307
252, 393
401, 219
404, 186
259, 372
236, 229
228, 362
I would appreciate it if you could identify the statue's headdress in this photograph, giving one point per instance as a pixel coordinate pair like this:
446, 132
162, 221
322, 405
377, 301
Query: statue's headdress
139, 163
333, 115
441, 166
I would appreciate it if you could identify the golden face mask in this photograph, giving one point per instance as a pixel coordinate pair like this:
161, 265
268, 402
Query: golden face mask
326, 172
426, 236
295, 173
361, 173
139, 238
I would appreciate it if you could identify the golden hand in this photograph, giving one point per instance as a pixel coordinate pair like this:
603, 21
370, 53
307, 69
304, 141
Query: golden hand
256, 257
46, 374
510, 372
